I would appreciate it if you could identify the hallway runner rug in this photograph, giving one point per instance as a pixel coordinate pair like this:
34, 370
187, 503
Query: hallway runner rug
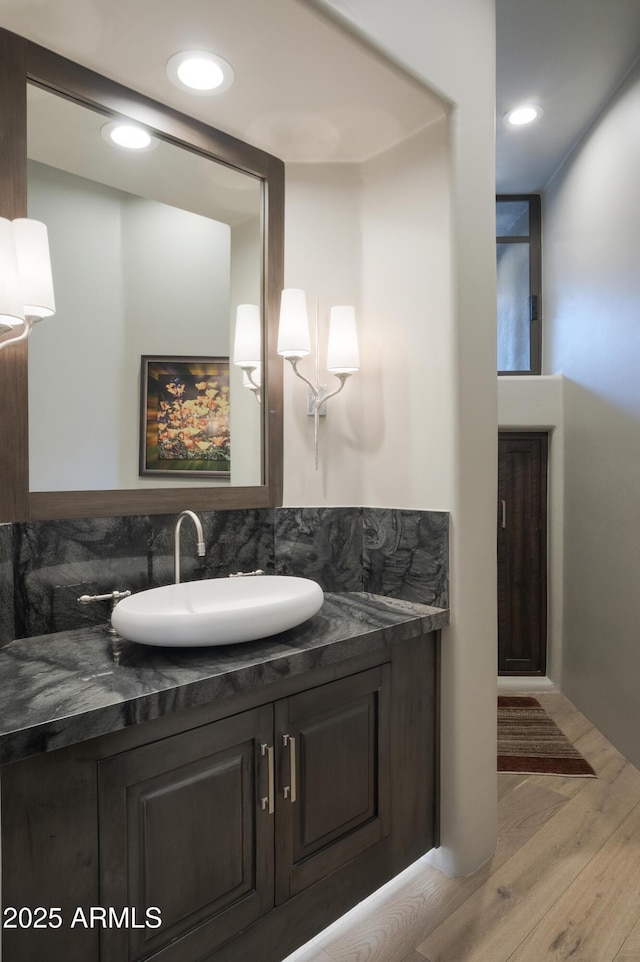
531, 743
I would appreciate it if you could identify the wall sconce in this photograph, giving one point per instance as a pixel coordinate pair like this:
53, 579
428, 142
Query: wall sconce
247, 347
26, 285
343, 356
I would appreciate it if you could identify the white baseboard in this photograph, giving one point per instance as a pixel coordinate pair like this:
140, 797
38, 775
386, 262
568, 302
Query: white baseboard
524, 683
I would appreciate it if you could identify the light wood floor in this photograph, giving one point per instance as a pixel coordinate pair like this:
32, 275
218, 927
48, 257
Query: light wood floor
564, 883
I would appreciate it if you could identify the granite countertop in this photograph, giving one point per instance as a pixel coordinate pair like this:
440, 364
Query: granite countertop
58, 690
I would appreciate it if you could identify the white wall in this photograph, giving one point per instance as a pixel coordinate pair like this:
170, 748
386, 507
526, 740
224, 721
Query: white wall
537, 404
375, 235
592, 283
407, 353
74, 357
451, 461
132, 277
323, 256
246, 412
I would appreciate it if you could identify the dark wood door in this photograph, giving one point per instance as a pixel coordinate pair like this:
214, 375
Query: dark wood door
182, 830
333, 777
522, 553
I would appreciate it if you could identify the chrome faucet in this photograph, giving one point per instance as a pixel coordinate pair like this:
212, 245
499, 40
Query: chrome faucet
201, 546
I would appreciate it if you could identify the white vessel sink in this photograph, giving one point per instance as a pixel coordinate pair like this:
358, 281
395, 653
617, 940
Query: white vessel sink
219, 611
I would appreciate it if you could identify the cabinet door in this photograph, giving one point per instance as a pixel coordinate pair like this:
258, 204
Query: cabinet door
333, 778
182, 829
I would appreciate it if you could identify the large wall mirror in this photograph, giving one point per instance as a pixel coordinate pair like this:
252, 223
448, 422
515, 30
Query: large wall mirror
151, 254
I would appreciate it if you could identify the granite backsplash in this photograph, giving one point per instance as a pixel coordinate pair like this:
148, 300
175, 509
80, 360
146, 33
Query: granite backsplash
45, 566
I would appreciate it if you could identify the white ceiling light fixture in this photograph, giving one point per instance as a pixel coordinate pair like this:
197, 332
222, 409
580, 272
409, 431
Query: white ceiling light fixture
128, 136
200, 72
522, 115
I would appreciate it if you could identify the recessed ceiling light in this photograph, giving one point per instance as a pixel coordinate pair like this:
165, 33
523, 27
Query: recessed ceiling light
523, 114
200, 72
129, 136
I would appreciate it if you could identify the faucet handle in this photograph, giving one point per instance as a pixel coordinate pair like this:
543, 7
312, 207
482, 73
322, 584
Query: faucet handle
113, 596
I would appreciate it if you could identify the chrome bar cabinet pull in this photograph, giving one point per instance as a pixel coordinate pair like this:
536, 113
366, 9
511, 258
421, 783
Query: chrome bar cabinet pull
267, 803
289, 791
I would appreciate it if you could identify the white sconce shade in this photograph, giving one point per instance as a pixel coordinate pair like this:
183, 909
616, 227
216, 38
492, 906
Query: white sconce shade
293, 332
247, 346
11, 302
34, 267
343, 356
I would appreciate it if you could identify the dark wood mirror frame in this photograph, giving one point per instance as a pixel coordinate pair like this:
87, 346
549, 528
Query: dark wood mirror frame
22, 61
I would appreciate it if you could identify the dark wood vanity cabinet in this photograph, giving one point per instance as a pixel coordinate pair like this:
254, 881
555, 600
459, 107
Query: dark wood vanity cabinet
245, 833
334, 741
181, 831
192, 818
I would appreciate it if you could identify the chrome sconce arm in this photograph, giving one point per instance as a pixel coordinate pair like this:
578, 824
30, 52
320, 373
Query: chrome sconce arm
12, 336
249, 375
319, 398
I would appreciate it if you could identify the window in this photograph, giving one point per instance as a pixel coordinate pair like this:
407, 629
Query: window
519, 283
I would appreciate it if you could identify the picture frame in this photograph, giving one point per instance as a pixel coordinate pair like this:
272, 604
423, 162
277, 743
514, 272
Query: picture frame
184, 417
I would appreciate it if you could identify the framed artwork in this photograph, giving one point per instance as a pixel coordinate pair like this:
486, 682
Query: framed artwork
184, 416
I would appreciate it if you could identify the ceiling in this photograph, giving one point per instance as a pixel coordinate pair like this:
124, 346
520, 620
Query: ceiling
568, 56
305, 91
67, 136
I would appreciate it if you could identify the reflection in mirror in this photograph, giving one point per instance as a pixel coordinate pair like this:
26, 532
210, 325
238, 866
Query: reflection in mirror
152, 252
